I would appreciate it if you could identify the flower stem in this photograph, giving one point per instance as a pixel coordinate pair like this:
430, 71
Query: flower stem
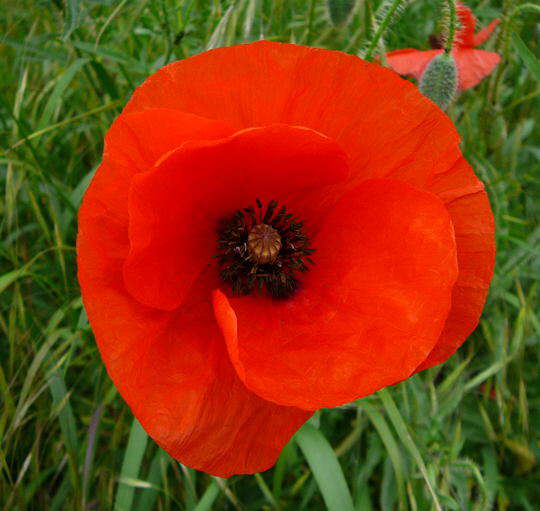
524, 7
452, 25
510, 13
382, 28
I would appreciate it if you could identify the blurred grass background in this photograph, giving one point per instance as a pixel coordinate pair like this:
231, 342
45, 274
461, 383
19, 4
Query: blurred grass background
460, 436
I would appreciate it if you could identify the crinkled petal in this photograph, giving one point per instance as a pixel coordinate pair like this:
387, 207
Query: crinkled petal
172, 368
387, 128
474, 65
367, 314
474, 226
410, 62
483, 34
465, 33
136, 141
380, 120
176, 208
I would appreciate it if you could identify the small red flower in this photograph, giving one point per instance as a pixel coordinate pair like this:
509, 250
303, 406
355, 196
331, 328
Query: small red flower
472, 65
270, 233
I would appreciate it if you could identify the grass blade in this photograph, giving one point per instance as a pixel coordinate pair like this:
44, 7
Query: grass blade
208, 498
130, 467
8, 278
157, 470
65, 413
326, 468
73, 15
408, 442
527, 56
389, 442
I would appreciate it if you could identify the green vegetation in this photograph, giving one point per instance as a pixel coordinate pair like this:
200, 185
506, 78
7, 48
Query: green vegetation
460, 436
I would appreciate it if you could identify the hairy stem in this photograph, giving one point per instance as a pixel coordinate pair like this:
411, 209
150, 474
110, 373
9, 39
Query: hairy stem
452, 25
382, 28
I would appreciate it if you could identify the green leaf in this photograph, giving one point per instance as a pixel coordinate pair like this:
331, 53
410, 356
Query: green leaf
10, 277
527, 56
406, 439
130, 467
208, 498
65, 413
105, 79
157, 470
389, 442
73, 16
325, 467
340, 10
57, 94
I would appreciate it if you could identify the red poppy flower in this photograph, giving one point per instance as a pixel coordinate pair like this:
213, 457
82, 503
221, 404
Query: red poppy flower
226, 176
473, 65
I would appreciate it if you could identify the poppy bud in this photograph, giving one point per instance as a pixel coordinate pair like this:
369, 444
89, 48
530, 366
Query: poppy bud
340, 10
439, 81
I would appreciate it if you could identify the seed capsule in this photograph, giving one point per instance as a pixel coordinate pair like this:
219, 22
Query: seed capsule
263, 248
264, 243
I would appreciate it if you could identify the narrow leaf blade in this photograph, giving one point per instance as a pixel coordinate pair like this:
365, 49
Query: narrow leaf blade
130, 467
326, 468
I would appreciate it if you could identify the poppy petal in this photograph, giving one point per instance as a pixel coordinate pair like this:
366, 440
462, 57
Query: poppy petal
198, 411
175, 209
474, 65
327, 91
410, 62
483, 34
468, 204
330, 92
368, 313
172, 368
334, 94
465, 33
136, 141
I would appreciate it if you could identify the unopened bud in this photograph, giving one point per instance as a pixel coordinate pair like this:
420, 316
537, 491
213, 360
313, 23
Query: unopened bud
439, 82
340, 10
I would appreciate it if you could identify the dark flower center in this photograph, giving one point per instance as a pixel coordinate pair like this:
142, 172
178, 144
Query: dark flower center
263, 248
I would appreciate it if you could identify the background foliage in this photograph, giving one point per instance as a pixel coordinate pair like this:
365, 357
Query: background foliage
460, 436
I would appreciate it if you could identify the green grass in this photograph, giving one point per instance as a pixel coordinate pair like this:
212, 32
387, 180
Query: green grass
460, 436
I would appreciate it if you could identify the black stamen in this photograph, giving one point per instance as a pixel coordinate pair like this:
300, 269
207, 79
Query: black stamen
271, 258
